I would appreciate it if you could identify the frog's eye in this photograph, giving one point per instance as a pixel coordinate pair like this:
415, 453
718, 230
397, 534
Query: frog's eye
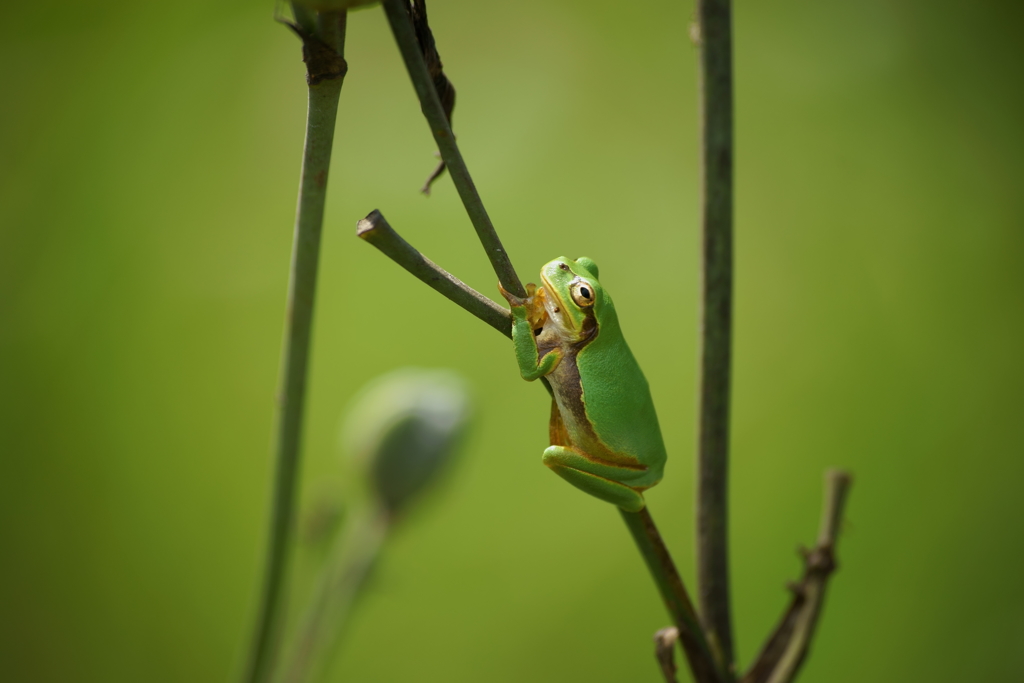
582, 294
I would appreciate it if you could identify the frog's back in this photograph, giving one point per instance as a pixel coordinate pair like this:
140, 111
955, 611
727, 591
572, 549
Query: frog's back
617, 399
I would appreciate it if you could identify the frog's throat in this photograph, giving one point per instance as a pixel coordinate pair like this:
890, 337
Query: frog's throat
552, 294
538, 312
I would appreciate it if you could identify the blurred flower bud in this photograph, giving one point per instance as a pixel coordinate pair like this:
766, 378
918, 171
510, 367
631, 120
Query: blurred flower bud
403, 427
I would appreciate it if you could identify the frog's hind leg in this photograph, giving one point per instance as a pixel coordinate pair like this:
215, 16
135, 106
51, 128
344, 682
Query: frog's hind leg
567, 463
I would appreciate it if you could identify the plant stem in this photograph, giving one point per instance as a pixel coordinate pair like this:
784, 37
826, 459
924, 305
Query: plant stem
378, 232
715, 33
353, 556
673, 593
784, 652
323, 36
430, 103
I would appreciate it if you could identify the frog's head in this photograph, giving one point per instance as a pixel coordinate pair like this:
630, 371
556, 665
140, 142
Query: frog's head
574, 299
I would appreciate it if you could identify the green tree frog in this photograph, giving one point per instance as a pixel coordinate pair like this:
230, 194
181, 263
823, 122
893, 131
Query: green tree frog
604, 433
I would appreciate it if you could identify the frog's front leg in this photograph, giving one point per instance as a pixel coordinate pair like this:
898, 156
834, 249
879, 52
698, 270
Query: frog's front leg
597, 479
531, 364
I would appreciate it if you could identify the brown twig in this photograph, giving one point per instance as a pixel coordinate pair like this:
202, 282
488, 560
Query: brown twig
784, 652
714, 34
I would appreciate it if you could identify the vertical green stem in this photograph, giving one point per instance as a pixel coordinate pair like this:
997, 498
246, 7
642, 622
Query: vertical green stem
715, 27
323, 44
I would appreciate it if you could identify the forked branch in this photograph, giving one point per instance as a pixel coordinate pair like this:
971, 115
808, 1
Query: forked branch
706, 667
784, 652
433, 110
375, 230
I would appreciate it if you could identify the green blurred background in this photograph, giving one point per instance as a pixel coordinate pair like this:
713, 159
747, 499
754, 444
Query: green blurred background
149, 156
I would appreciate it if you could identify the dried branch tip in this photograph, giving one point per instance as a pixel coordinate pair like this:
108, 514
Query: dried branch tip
367, 225
664, 652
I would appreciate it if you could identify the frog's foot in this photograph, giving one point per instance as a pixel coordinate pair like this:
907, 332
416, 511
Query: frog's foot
573, 467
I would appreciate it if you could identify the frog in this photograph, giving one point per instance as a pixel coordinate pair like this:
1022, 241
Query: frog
604, 432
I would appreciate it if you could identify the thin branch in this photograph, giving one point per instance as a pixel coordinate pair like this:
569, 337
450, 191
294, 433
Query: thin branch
323, 38
715, 36
674, 595
442, 84
665, 652
784, 652
405, 35
375, 230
